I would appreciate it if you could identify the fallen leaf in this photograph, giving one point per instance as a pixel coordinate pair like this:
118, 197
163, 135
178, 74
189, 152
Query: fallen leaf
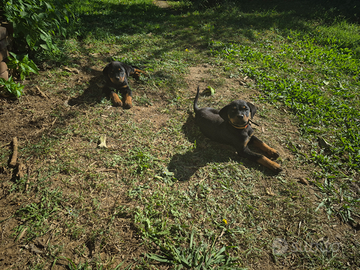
102, 142
303, 181
269, 191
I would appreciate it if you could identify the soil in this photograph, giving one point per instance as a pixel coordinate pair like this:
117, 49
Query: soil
28, 119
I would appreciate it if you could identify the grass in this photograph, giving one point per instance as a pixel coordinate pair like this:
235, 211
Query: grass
324, 106
161, 195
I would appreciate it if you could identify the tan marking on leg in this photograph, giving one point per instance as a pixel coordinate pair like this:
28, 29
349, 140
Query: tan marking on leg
269, 164
127, 102
115, 99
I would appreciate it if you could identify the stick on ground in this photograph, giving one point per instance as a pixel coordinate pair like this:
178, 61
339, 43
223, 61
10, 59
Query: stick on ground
15, 152
41, 92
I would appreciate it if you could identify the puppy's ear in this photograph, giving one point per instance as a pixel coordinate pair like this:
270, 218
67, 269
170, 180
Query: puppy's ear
106, 69
224, 112
252, 109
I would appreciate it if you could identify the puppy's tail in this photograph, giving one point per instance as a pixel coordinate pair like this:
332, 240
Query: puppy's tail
196, 108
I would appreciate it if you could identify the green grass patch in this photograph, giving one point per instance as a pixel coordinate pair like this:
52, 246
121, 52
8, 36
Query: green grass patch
326, 104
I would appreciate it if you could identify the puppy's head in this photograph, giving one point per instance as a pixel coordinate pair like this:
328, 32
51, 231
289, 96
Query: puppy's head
115, 72
238, 113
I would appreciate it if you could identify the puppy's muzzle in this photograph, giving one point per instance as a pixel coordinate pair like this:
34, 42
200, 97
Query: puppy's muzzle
239, 120
117, 79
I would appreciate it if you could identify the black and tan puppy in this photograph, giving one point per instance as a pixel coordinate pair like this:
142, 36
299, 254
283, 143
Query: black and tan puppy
231, 125
116, 74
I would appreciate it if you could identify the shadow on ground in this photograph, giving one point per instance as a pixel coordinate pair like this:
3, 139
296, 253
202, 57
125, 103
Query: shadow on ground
93, 94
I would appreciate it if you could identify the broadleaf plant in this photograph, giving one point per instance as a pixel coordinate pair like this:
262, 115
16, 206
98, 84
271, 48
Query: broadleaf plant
22, 65
12, 87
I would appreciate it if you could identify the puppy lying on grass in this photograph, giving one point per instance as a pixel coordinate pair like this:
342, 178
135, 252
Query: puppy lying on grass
232, 125
116, 74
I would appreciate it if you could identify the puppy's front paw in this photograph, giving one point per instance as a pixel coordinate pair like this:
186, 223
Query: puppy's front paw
116, 100
273, 154
275, 167
127, 102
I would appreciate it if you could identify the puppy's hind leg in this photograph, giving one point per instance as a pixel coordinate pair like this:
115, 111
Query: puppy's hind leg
272, 165
261, 159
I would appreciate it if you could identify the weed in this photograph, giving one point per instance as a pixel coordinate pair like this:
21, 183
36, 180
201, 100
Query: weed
22, 65
11, 87
203, 256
